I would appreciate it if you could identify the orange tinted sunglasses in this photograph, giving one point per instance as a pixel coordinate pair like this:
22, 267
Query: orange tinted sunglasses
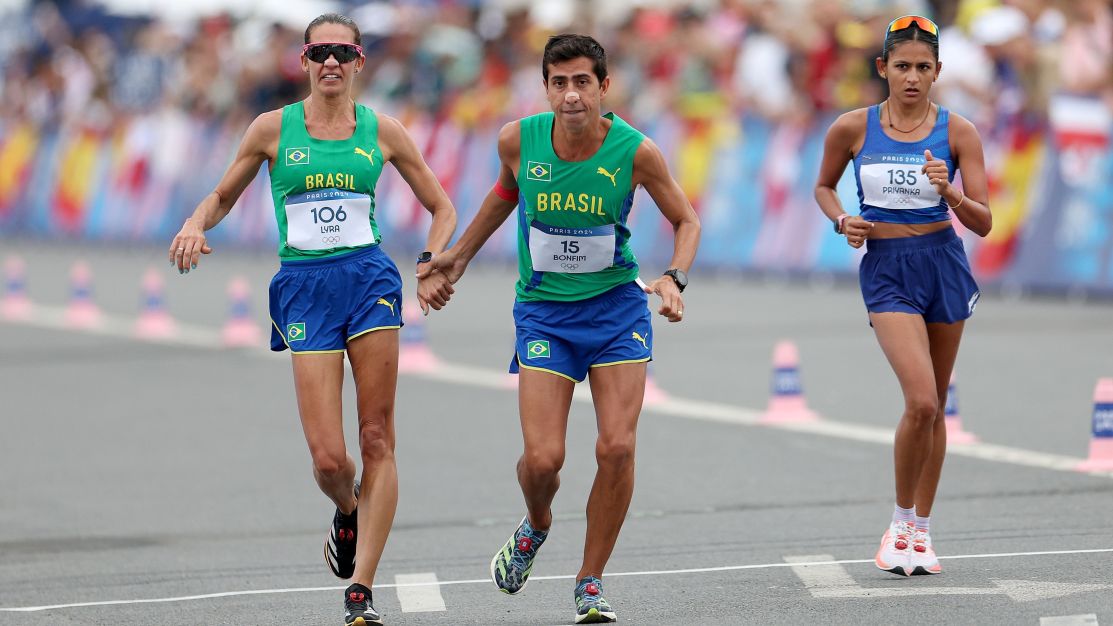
905, 21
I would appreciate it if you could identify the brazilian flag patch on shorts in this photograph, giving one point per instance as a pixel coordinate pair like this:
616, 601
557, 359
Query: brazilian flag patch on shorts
537, 349
295, 332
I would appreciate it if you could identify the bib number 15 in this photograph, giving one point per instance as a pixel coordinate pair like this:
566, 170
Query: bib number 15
326, 215
570, 247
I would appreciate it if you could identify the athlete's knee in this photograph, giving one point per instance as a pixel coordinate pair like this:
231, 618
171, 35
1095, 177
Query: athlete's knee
921, 410
376, 442
615, 451
329, 464
544, 462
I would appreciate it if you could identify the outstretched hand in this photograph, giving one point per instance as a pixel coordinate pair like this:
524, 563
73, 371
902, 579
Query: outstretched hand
188, 246
672, 305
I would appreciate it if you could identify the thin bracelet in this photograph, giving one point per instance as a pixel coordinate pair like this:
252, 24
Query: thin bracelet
961, 200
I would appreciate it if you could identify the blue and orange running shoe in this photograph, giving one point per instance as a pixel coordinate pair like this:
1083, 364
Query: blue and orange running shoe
340, 545
512, 564
591, 606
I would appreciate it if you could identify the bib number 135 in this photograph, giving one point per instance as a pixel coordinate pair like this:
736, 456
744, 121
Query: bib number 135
902, 177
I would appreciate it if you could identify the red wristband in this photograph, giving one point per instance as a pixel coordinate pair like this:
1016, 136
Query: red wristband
510, 195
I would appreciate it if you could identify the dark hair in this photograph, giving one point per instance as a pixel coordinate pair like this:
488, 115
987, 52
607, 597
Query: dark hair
911, 33
567, 47
333, 18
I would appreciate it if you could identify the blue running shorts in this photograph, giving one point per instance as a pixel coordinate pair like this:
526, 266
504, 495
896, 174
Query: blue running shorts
320, 305
568, 338
926, 275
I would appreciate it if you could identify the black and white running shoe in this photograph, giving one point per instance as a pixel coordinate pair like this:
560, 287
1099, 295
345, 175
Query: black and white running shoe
357, 607
340, 545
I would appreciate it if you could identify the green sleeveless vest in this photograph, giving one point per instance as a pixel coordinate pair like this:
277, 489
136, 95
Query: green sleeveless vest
573, 242
324, 190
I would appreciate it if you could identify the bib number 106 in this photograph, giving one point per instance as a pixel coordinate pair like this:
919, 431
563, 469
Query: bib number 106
325, 214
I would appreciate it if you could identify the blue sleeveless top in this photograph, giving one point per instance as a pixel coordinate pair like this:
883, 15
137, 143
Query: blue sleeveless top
891, 187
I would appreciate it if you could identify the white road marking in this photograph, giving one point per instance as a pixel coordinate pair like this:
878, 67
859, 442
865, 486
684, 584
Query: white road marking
487, 581
1088, 619
826, 578
419, 593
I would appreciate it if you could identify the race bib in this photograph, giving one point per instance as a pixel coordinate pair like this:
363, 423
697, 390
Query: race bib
328, 218
896, 182
571, 250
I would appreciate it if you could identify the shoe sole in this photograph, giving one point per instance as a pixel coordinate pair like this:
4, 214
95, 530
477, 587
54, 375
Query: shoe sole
359, 621
595, 616
495, 560
924, 571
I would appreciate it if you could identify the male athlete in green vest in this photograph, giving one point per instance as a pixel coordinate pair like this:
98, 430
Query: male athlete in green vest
336, 290
580, 311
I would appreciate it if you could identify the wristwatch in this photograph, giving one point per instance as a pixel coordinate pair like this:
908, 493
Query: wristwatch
425, 257
679, 277
839, 222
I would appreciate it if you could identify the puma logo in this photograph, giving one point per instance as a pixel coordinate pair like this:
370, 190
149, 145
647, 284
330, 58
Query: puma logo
609, 175
635, 334
370, 157
382, 301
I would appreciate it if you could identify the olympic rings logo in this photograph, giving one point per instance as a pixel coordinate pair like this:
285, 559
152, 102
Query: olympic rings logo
331, 239
571, 267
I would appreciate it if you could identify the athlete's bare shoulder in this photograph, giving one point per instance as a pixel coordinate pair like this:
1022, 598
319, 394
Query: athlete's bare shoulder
960, 127
510, 142
851, 122
263, 133
390, 130
848, 132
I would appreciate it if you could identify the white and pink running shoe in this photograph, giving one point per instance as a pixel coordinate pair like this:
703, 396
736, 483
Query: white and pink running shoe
895, 553
923, 559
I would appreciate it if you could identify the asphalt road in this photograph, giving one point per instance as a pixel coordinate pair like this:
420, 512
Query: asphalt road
136, 473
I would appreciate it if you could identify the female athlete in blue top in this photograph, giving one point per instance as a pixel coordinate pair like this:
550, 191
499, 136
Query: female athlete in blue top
915, 277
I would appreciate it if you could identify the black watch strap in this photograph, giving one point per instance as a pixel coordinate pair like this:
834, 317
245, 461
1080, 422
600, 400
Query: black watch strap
679, 277
425, 257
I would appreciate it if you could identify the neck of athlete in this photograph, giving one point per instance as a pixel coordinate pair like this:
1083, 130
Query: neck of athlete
578, 144
330, 111
907, 113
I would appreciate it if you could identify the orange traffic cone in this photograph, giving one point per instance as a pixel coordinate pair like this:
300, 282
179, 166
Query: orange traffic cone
154, 321
15, 305
955, 434
82, 312
1101, 444
240, 330
786, 401
414, 354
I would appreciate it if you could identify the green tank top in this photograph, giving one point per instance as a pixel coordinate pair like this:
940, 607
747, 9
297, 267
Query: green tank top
324, 190
573, 242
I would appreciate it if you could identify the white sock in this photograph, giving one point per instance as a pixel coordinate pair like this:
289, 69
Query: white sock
923, 523
903, 515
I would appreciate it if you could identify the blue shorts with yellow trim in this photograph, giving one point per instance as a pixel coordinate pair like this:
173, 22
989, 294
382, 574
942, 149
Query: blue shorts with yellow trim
926, 275
569, 338
319, 305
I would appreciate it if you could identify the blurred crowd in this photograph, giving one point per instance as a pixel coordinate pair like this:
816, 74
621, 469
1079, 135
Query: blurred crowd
477, 63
